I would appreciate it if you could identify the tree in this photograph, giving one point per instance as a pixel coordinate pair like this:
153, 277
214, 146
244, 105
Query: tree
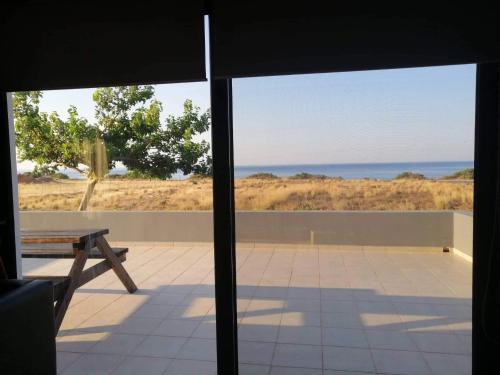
129, 120
128, 130
46, 139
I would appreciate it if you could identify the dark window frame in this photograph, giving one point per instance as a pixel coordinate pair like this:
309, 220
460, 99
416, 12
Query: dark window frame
7, 203
224, 224
486, 218
486, 231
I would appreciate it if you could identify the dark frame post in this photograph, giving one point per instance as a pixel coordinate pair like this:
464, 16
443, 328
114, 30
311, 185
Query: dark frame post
7, 208
486, 252
224, 241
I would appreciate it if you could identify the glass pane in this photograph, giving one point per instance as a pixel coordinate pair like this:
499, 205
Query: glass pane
354, 221
133, 161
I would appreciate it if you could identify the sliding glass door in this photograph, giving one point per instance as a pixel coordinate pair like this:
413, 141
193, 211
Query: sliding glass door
354, 197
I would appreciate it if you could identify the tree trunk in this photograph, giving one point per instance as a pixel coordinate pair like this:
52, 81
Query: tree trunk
88, 194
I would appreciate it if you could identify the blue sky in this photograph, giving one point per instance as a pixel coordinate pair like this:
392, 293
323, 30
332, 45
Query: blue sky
424, 114
421, 114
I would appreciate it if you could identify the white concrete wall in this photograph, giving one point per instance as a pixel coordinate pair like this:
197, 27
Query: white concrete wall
462, 232
376, 228
189, 226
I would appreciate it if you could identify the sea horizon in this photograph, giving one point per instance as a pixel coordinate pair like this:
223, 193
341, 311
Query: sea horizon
379, 170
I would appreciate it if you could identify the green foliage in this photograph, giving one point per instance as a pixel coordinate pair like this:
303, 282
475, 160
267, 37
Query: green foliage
60, 176
43, 172
136, 174
263, 176
128, 130
45, 138
129, 119
309, 176
464, 174
410, 176
40, 171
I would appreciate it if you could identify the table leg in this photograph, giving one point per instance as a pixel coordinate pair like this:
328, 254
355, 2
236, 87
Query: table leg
74, 280
120, 271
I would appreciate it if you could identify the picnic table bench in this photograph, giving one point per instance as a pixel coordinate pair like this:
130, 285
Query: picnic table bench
85, 244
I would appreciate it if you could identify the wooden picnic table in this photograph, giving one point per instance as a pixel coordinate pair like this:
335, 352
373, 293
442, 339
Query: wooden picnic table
85, 244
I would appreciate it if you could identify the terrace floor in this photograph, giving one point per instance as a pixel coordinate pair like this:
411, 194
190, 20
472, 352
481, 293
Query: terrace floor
302, 310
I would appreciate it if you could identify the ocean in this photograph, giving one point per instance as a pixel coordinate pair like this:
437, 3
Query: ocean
384, 171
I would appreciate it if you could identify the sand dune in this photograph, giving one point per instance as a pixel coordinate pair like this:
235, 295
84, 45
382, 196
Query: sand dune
252, 194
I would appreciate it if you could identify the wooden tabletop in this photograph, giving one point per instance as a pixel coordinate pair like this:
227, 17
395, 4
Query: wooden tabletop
79, 236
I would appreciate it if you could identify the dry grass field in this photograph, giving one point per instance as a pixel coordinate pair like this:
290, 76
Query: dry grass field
251, 194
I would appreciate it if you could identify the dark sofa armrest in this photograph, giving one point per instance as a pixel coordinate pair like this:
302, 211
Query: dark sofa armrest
27, 333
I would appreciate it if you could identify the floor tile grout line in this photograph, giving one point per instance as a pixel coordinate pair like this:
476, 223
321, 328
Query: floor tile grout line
265, 278
176, 258
281, 318
101, 309
110, 333
320, 287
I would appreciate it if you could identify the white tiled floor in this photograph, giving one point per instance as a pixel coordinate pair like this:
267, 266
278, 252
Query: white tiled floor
302, 310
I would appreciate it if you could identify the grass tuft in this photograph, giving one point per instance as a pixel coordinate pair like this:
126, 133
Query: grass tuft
252, 194
410, 176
